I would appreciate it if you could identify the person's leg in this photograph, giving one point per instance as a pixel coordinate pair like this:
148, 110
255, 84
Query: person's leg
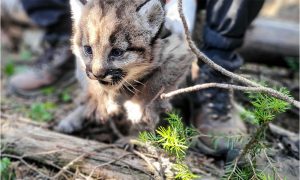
226, 24
54, 16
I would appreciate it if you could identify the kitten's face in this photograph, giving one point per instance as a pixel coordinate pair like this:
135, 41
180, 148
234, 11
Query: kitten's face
114, 38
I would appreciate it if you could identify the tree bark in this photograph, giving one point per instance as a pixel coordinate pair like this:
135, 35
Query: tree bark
47, 147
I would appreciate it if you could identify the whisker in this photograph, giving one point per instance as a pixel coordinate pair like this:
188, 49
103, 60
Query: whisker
131, 85
121, 89
139, 82
128, 87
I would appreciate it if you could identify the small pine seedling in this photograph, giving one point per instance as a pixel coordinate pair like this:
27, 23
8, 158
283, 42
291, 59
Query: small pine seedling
174, 139
183, 172
266, 107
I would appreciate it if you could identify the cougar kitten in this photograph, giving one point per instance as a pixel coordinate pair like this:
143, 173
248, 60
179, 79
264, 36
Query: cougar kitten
125, 60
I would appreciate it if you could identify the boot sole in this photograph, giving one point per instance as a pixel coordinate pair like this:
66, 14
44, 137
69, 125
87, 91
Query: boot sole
64, 81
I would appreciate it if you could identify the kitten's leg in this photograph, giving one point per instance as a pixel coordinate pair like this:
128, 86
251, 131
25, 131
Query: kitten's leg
73, 122
154, 110
143, 116
134, 111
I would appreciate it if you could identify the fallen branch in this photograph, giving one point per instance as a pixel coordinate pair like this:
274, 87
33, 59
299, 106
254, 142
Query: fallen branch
225, 72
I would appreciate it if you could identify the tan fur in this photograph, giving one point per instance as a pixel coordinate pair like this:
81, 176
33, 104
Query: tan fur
162, 63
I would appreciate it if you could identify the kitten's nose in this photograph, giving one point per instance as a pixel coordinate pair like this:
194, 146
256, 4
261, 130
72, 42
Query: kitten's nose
103, 73
100, 74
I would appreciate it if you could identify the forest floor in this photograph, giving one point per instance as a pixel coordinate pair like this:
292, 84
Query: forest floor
54, 102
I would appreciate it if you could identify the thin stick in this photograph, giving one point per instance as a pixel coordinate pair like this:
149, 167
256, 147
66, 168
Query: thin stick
252, 167
248, 147
225, 72
152, 168
42, 153
66, 167
107, 163
268, 91
271, 164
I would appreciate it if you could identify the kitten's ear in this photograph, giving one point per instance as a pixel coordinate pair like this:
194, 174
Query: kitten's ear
76, 9
152, 15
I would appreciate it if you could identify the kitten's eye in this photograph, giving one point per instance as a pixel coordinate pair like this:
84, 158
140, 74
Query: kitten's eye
88, 50
116, 52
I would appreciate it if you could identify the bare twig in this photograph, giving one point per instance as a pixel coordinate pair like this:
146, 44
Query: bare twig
248, 147
153, 169
66, 167
219, 85
92, 153
107, 163
252, 167
225, 72
234, 168
42, 153
271, 164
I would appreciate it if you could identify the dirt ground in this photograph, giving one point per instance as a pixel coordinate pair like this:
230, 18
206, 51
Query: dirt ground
21, 44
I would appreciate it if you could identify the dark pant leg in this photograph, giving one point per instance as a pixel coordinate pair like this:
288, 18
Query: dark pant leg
226, 24
53, 15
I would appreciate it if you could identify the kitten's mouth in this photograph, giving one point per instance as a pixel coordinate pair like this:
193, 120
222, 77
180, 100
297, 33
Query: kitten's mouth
113, 82
104, 82
112, 78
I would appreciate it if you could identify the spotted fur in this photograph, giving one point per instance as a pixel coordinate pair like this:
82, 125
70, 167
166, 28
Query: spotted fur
151, 61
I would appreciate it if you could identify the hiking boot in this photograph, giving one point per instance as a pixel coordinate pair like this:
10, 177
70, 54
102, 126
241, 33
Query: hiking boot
54, 65
216, 117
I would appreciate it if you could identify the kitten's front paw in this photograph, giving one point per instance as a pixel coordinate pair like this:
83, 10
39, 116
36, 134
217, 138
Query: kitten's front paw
126, 142
73, 122
68, 126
